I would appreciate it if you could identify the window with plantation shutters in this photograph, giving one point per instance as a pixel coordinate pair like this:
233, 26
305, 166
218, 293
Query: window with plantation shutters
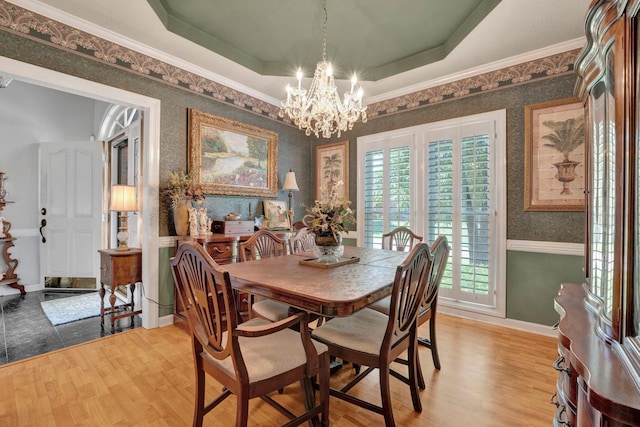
459, 194
387, 188
445, 178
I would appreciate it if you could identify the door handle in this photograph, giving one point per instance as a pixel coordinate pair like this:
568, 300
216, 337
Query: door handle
43, 224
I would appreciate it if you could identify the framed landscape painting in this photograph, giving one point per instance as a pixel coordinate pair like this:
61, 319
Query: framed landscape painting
332, 170
231, 158
554, 169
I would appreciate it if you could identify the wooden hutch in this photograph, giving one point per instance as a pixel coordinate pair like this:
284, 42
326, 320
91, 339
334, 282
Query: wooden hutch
599, 330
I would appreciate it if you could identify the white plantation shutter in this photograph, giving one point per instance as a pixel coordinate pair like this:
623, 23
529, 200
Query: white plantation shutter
387, 195
373, 198
459, 193
444, 184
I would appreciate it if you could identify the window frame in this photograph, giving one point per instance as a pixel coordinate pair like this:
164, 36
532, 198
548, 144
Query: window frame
418, 135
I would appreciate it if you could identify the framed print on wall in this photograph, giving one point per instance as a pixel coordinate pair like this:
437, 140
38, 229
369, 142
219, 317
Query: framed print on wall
227, 157
554, 170
332, 170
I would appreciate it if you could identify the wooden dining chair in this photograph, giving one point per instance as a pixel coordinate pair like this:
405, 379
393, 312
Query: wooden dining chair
298, 225
373, 339
250, 359
428, 310
400, 239
303, 241
265, 244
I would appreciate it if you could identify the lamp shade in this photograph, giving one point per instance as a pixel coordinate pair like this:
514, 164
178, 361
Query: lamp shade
290, 182
123, 198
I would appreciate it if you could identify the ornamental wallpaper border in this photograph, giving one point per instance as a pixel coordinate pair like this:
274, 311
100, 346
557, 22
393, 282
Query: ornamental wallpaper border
22, 22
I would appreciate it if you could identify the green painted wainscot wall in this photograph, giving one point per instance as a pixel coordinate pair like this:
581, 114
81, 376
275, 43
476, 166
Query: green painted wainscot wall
533, 280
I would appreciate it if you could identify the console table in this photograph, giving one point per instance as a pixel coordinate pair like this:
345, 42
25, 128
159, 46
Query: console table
119, 268
9, 278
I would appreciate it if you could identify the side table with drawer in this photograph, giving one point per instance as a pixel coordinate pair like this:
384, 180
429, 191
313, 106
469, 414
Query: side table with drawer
119, 268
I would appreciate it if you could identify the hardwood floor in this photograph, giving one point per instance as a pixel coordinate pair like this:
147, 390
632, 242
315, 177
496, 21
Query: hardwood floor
491, 376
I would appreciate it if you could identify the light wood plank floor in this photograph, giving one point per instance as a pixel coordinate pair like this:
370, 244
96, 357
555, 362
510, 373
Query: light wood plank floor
491, 376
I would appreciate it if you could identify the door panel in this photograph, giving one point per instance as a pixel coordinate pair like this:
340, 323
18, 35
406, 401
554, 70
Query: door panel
70, 195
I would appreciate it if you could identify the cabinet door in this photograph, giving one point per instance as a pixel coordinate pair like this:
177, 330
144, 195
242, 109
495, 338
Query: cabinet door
606, 217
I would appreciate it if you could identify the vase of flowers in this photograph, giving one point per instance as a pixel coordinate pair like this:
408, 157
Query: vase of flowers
327, 221
182, 190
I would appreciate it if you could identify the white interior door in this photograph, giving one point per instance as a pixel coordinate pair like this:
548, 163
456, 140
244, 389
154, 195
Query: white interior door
70, 194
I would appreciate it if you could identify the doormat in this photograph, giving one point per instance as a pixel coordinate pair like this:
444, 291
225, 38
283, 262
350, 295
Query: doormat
69, 309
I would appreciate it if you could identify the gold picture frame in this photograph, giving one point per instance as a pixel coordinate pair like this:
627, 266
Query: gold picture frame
554, 161
332, 168
231, 158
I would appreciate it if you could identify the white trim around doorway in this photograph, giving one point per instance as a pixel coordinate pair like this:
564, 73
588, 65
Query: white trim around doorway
151, 110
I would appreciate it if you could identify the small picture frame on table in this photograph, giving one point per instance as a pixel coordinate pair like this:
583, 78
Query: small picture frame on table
276, 216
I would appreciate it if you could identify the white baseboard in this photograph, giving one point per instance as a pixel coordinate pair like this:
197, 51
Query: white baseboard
520, 325
165, 321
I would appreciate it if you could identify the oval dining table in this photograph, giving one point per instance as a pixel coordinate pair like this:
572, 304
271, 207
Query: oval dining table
364, 276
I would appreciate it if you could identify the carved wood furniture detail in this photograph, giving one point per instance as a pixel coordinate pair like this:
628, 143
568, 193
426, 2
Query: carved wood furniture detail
9, 278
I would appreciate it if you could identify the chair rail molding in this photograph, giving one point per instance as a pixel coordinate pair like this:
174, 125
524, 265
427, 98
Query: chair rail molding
558, 248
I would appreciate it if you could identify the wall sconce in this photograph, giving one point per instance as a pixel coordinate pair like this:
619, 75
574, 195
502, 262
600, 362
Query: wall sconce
4, 82
123, 200
291, 185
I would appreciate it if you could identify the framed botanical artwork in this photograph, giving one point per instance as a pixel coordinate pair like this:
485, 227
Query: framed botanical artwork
332, 170
276, 216
231, 158
554, 170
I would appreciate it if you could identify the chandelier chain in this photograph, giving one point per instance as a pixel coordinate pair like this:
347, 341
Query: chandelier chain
324, 31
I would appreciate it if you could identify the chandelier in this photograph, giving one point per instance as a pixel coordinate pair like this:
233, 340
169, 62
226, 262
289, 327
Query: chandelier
320, 110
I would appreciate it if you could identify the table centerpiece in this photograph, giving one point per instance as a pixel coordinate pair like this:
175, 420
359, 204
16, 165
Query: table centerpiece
327, 220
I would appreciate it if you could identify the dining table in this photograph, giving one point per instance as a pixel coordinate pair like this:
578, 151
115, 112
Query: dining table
361, 277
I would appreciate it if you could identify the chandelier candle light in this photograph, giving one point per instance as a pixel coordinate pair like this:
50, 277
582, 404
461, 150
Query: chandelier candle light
320, 111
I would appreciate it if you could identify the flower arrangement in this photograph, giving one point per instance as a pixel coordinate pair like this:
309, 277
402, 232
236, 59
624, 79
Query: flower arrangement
182, 186
331, 217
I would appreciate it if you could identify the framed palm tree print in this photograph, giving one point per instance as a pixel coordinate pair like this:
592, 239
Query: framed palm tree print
554, 170
332, 170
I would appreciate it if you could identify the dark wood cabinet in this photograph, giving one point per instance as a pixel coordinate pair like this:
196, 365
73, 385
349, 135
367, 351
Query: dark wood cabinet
599, 330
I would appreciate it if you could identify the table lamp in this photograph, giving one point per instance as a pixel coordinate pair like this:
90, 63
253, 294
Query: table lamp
123, 200
291, 185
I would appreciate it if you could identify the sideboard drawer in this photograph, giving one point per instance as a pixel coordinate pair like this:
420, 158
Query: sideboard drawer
222, 252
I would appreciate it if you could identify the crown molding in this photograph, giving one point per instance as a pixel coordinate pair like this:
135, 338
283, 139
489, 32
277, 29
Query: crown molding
483, 69
44, 24
112, 36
